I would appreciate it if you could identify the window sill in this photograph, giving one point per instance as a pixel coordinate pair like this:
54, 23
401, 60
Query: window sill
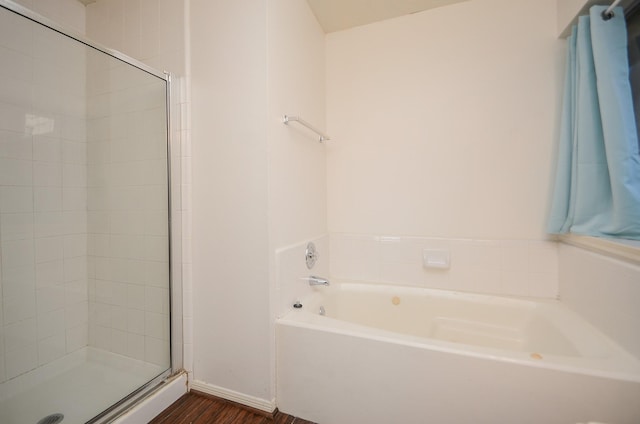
628, 250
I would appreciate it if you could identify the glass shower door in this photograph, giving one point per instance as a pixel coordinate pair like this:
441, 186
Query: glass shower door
84, 226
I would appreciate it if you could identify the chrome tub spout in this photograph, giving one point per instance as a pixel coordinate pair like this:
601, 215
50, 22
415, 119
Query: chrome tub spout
316, 281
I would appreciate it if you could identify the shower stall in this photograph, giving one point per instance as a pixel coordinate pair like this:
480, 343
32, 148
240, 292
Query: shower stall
85, 287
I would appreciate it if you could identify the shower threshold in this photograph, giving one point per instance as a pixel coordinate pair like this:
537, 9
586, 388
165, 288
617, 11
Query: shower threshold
79, 386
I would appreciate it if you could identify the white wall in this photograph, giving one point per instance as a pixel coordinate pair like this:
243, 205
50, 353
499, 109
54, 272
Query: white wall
258, 184
296, 86
151, 31
444, 122
567, 12
297, 193
230, 223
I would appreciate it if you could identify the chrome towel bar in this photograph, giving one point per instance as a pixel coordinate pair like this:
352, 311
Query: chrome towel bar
321, 136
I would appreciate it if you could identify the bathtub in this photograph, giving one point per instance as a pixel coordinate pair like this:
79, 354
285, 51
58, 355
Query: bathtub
356, 353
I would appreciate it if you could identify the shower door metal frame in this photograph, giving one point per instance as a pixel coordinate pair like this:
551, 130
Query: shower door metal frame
175, 284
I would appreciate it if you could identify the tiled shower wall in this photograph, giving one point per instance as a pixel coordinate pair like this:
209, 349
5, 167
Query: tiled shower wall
45, 230
127, 211
155, 32
502, 267
604, 290
43, 199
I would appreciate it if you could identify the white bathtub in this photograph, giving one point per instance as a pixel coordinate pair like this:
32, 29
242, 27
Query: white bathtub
385, 354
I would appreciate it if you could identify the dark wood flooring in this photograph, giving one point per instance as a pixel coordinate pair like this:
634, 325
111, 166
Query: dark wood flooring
197, 408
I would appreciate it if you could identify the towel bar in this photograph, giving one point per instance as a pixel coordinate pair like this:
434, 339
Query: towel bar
321, 136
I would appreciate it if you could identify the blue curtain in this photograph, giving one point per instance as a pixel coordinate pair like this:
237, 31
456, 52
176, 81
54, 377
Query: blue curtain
597, 189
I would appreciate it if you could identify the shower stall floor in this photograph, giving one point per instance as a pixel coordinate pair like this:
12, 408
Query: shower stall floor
79, 385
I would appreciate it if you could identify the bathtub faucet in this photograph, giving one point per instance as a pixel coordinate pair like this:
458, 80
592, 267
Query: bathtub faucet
316, 281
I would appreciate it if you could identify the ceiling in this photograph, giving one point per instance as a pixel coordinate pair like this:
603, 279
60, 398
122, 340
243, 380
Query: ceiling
336, 15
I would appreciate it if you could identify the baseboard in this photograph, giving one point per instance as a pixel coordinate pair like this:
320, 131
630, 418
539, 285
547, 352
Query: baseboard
241, 398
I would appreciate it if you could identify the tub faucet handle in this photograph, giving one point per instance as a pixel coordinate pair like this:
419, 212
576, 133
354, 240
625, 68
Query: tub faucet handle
316, 281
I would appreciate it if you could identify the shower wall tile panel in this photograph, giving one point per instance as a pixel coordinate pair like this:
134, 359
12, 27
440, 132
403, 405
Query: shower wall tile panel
43, 305
133, 27
502, 267
70, 13
128, 207
604, 290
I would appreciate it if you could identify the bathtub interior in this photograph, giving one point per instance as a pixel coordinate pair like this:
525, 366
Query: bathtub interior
494, 322
540, 333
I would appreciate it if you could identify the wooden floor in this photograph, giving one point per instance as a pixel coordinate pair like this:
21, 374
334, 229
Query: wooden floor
196, 408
